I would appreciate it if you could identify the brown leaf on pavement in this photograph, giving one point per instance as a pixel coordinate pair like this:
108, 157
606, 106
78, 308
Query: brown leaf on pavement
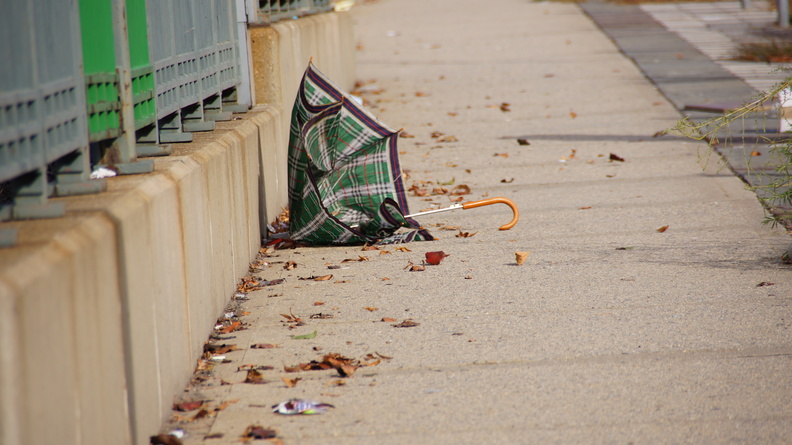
165, 439
371, 309
225, 404
507, 181
434, 258
406, 324
402, 249
290, 265
461, 189
615, 157
254, 376
290, 383
264, 346
462, 234
230, 328
388, 319
414, 267
291, 317
360, 258
662, 229
503, 155
258, 432
188, 406
505, 107
219, 349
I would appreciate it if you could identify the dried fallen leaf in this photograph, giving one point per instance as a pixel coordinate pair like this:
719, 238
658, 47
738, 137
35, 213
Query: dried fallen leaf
165, 439
230, 328
371, 309
461, 189
291, 317
320, 316
323, 278
505, 107
414, 267
462, 234
388, 319
259, 432
290, 265
615, 157
254, 376
756, 153
188, 406
406, 324
523, 141
572, 114
360, 258
263, 346
434, 258
507, 181
521, 257
225, 404
318, 303
290, 383
219, 349
503, 155
662, 229
402, 249
448, 139
584, 208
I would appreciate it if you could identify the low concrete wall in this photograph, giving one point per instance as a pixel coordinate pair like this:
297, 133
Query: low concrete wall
281, 54
104, 312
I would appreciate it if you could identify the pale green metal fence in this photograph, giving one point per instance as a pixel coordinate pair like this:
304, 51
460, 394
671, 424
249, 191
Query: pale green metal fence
105, 82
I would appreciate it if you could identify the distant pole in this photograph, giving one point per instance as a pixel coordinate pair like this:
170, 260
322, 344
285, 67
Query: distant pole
783, 13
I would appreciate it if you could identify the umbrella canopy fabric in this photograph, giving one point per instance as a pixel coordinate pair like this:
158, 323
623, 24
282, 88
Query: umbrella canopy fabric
345, 184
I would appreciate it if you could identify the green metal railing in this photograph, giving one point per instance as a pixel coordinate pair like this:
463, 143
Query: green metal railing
107, 82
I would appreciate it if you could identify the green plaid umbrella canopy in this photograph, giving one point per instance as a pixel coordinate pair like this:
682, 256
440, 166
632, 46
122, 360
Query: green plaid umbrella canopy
345, 183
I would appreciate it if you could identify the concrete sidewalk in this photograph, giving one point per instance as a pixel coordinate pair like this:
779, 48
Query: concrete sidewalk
612, 330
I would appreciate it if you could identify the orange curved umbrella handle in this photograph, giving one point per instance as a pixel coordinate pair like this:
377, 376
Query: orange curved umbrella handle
501, 200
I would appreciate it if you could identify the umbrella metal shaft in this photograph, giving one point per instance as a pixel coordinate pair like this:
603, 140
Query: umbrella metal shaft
429, 212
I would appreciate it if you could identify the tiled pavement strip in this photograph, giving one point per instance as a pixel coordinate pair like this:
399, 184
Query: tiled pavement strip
717, 29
